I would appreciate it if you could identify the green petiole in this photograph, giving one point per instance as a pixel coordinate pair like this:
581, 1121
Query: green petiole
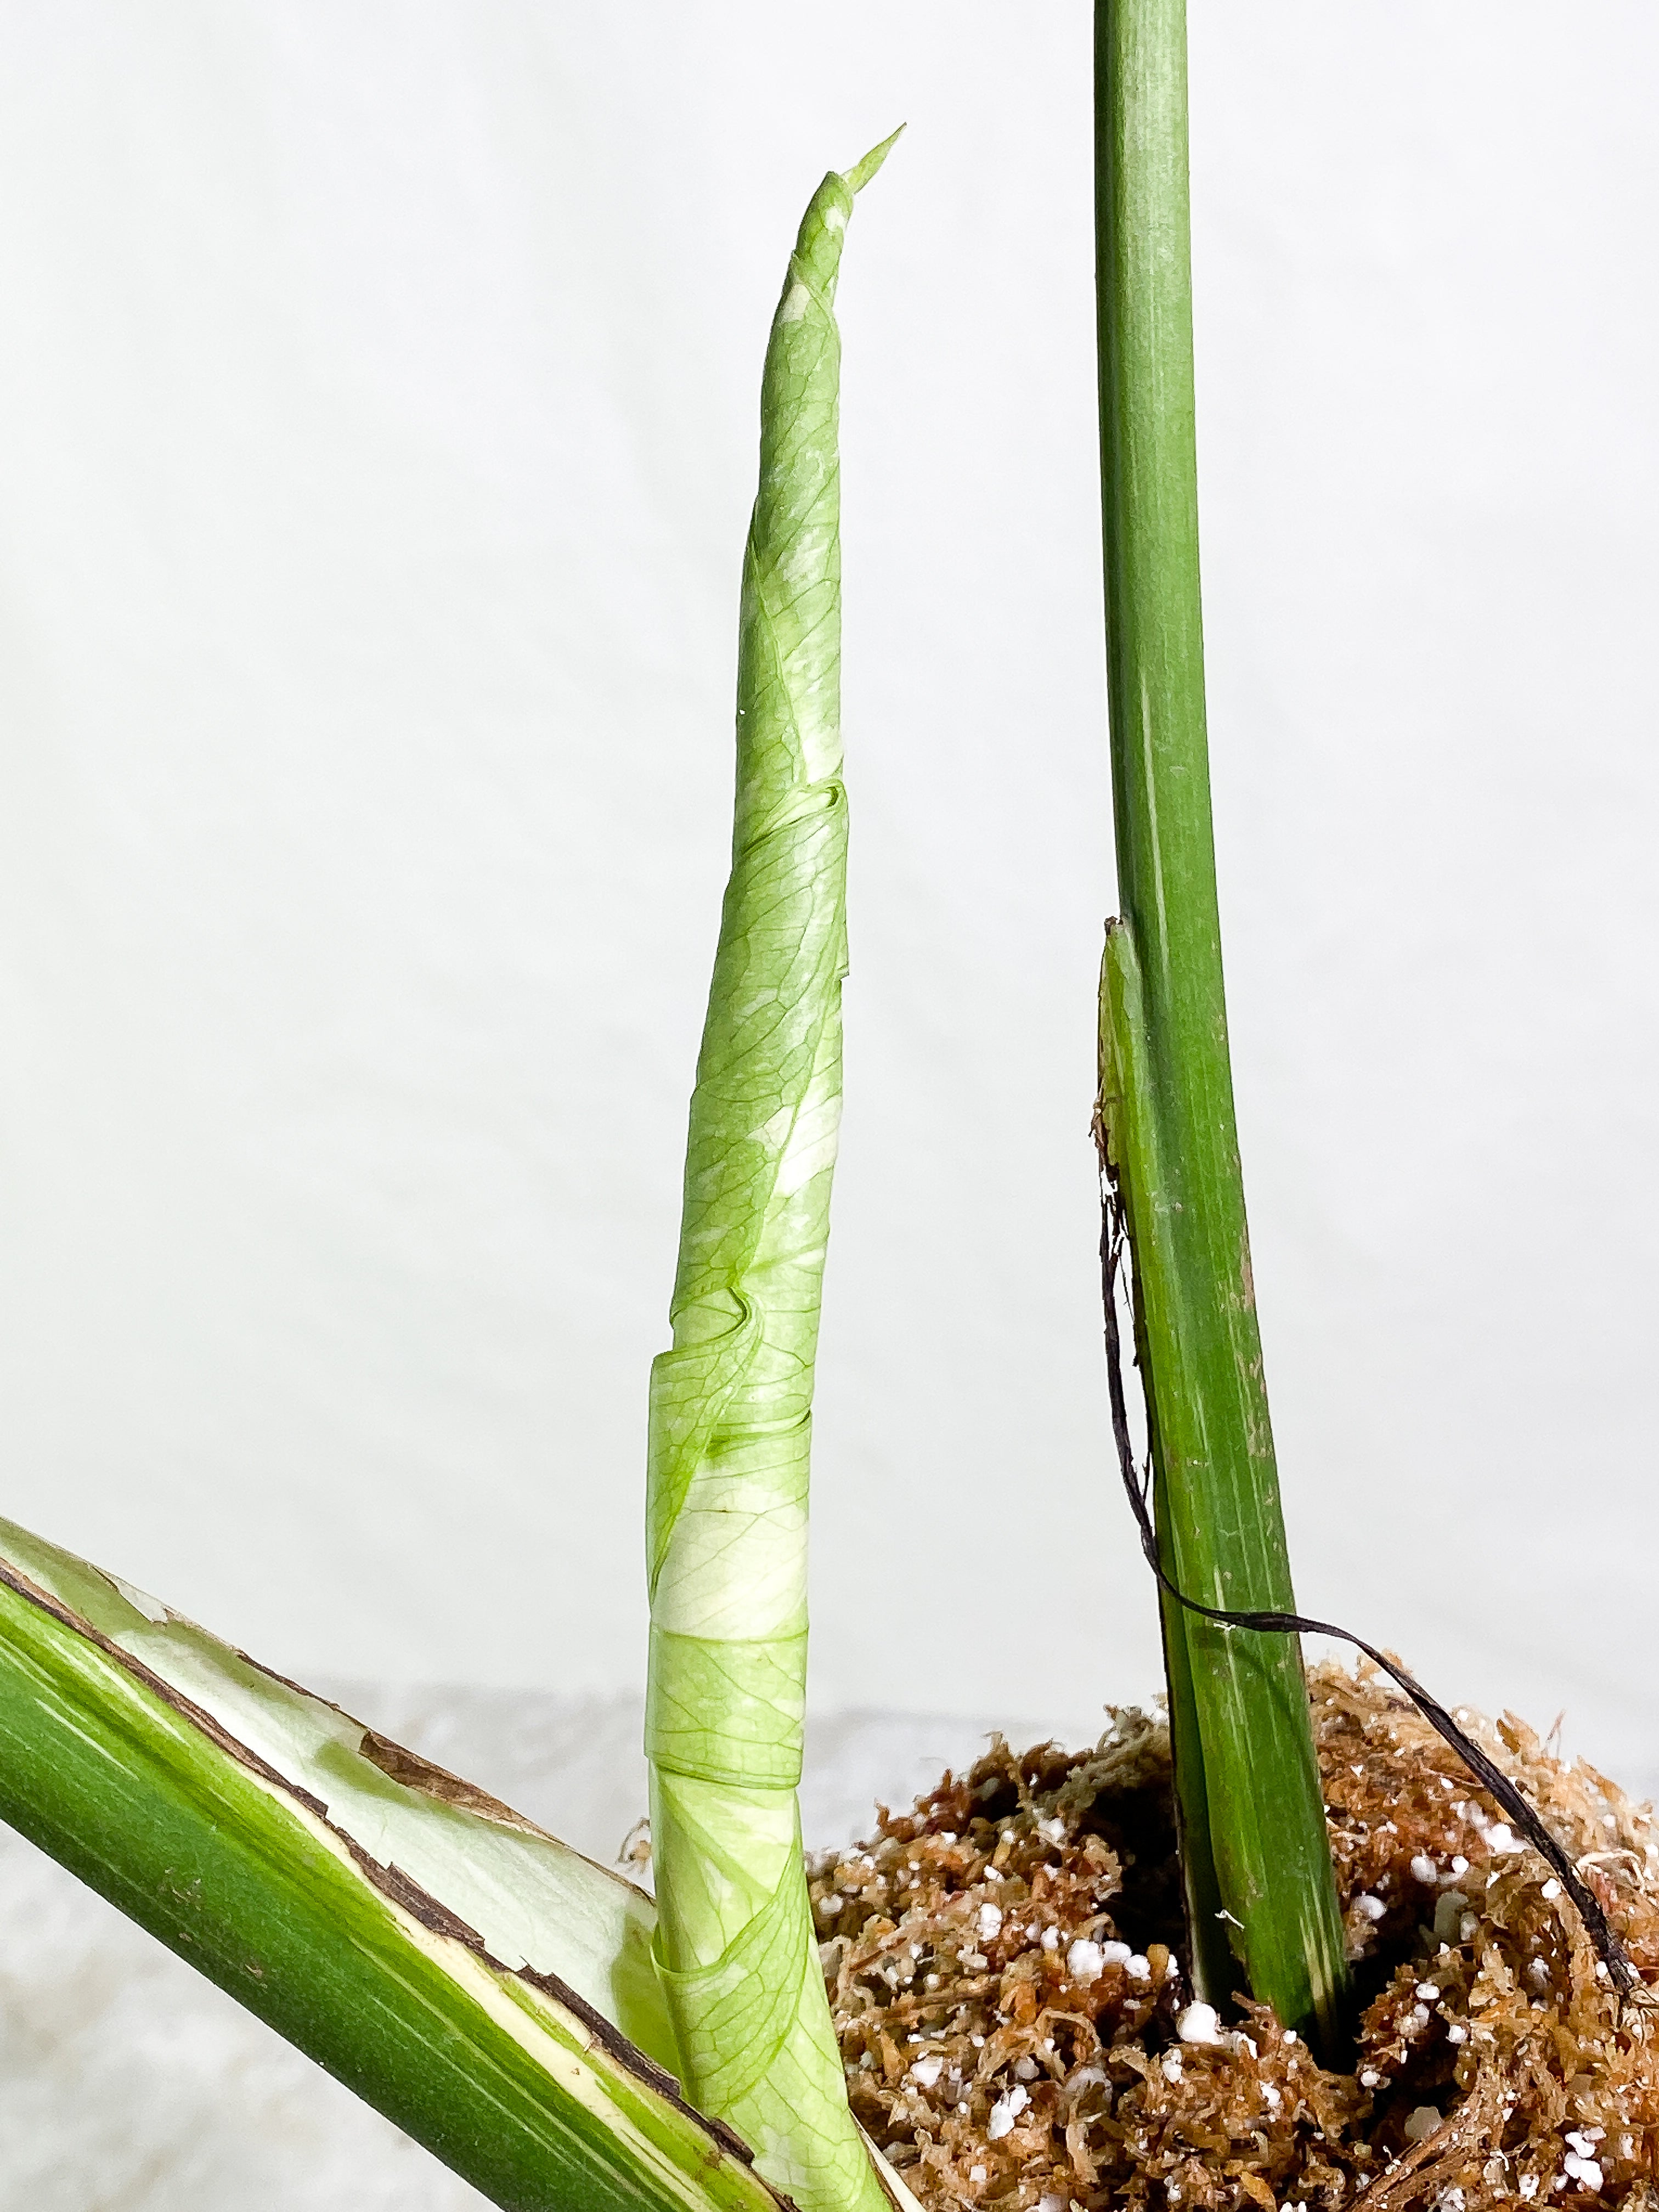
1261, 1895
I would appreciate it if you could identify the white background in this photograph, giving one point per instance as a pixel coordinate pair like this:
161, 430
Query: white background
377, 426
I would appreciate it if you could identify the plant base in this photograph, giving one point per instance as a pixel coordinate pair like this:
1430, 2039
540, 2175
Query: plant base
1004, 1963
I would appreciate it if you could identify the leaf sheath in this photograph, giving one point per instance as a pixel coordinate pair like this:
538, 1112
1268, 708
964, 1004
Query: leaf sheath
421, 1942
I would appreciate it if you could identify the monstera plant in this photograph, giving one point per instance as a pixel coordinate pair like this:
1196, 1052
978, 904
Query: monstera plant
540, 2024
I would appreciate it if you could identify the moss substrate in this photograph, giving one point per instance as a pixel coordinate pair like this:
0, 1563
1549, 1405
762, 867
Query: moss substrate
1004, 1963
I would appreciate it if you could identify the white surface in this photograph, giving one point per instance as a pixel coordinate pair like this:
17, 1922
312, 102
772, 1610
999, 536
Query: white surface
377, 386
128, 2082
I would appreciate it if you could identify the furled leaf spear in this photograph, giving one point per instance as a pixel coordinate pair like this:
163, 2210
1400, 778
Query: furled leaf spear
731, 1402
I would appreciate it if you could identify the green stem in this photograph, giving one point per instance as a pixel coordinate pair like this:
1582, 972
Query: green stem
454, 1966
731, 1404
1253, 1822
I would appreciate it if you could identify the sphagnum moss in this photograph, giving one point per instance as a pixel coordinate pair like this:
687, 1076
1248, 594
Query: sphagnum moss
1018, 2031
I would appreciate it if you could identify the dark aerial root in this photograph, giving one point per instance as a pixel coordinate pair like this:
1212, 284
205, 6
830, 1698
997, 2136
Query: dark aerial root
1115, 1252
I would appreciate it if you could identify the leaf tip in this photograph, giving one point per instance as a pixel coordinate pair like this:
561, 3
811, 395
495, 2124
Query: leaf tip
860, 174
